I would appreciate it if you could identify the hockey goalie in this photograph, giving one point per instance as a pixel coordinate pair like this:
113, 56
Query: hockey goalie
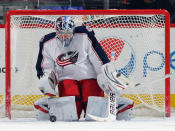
71, 64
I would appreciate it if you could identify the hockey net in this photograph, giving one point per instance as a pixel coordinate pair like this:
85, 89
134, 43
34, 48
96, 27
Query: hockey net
140, 39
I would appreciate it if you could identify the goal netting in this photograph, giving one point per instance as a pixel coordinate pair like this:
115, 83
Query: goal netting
140, 39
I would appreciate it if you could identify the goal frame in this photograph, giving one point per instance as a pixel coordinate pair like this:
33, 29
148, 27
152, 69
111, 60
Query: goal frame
85, 12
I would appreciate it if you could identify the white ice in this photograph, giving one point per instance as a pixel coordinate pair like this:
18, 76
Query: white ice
137, 124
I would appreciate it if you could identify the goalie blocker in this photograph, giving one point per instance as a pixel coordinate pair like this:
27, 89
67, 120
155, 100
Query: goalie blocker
113, 81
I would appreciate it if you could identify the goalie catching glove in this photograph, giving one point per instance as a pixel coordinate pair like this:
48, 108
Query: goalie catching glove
111, 80
47, 84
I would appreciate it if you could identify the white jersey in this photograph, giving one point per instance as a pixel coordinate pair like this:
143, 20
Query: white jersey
82, 59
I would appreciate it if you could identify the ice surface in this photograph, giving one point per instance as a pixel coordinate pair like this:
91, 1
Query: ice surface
137, 124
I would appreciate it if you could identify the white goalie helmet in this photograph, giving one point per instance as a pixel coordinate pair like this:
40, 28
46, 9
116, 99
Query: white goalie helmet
64, 27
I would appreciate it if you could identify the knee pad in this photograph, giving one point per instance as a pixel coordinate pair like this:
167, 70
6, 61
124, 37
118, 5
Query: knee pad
63, 108
125, 109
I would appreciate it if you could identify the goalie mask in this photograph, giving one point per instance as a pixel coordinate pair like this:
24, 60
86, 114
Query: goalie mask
64, 29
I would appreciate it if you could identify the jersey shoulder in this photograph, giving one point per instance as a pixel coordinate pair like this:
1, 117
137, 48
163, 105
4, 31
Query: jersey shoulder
48, 37
84, 29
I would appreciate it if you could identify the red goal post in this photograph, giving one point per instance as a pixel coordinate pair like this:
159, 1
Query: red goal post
15, 30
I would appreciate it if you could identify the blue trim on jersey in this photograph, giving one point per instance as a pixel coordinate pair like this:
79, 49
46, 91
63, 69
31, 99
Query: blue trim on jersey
40, 55
96, 45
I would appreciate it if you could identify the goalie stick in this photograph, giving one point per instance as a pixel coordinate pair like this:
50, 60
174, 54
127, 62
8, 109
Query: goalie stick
155, 81
112, 99
131, 84
142, 84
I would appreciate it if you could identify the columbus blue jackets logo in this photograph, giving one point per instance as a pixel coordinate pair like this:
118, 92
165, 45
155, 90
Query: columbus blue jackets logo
67, 58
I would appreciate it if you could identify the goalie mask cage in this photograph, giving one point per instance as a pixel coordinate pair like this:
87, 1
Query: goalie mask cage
140, 39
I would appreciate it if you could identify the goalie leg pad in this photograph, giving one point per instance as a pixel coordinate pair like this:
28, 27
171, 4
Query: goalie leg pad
89, 87
41, 109
69, 87
125, 109
97, 106
63, 108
